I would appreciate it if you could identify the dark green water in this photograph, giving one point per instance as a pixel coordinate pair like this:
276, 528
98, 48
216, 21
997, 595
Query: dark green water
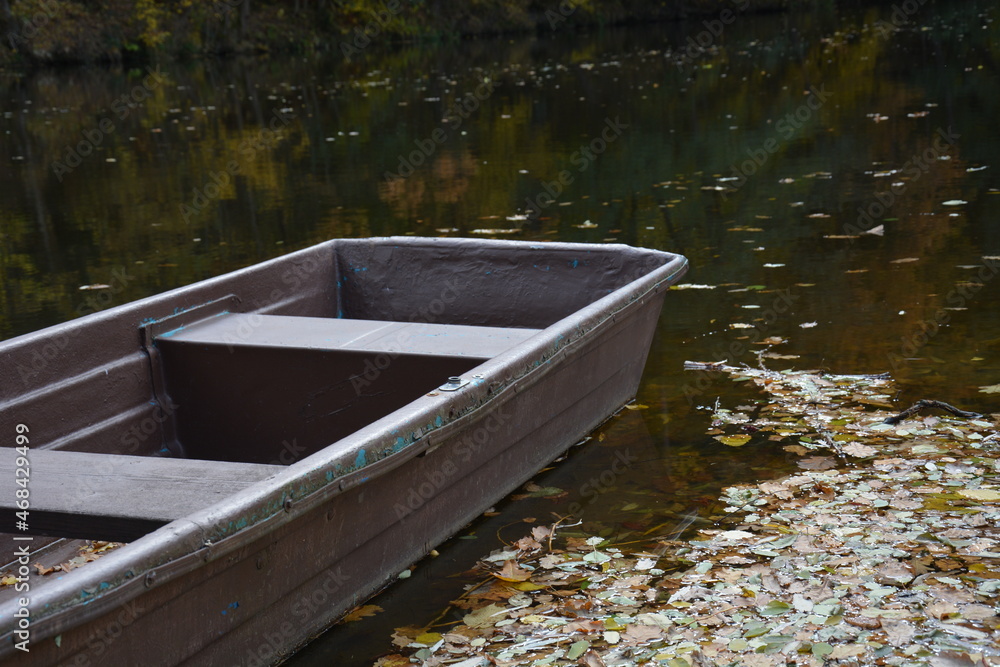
787, 130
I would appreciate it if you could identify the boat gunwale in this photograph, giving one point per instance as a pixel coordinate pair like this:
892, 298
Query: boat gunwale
182, 545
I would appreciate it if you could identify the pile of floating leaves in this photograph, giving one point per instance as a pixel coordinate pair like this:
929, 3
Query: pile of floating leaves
883, 550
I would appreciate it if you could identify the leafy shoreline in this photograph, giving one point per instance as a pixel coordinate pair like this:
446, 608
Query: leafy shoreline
882, 551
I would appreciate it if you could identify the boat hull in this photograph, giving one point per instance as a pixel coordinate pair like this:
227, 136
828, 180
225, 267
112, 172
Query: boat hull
252, 578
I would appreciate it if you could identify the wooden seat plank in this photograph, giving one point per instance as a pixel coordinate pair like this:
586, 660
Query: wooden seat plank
115, 497
325, 333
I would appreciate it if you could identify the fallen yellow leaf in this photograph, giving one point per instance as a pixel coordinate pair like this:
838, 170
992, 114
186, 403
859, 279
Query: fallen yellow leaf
428, 638
985, 495
362, 612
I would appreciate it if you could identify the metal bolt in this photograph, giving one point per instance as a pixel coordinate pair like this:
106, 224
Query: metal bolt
150, 578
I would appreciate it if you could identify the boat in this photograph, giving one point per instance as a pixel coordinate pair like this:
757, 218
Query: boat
275, 445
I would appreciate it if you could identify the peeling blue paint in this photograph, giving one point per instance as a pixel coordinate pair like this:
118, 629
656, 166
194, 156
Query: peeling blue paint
438, 421
361, 461
168, 334
233, 606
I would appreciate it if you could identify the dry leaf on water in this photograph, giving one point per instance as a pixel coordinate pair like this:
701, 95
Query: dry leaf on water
511, 572
362, 612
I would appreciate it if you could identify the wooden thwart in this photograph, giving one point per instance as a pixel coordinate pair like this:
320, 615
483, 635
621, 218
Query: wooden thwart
333, 334
115, 497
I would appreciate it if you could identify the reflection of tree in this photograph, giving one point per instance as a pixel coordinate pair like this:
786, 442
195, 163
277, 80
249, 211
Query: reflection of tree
352, 120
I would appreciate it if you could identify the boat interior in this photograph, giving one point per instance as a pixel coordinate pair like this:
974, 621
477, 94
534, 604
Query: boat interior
192, 396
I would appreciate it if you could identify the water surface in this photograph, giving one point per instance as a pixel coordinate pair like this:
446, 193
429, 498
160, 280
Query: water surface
757, 157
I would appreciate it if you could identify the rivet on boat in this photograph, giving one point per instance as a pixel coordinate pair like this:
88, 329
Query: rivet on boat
288, 504
150, 578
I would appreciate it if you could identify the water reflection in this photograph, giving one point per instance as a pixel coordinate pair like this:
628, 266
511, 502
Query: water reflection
759, 158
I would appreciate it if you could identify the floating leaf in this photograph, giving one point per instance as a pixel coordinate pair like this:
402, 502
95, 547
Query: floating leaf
821, 649
362, 612
775, 608
511, 572
527, 586
859, 450
485, 616
596, 557
733, 440
576, 649
984, 495
428, 638
817, 463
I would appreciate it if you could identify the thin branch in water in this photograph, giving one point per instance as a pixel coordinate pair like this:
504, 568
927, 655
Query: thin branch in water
925, 404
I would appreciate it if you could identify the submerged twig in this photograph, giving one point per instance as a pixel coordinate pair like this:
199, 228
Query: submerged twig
835, 446
925, 404
706, 365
